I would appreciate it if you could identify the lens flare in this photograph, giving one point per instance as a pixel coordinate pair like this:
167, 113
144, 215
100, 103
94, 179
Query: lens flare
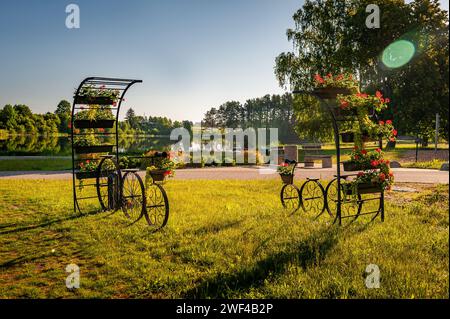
398, 54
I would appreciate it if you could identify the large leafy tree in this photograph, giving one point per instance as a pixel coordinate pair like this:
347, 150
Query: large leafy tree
63, 111
331, 36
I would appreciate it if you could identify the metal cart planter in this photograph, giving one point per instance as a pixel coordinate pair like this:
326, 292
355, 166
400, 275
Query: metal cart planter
343, 200
114, 188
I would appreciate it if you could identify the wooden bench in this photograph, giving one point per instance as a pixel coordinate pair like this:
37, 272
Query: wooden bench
312, 153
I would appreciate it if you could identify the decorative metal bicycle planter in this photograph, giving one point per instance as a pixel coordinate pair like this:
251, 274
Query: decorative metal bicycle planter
310, 196
94, 135
343, 200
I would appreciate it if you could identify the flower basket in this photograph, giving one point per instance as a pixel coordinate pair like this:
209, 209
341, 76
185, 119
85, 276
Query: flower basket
364, 188
158, 175
350, 166
94, 100
93, 149
287, 179
348, 137
94, 124
329, 93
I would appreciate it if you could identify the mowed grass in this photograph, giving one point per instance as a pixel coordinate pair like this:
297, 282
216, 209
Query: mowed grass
227, 239
50, 164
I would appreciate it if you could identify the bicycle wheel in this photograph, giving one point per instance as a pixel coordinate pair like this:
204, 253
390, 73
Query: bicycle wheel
312, 197
156, 206
290, 197
350, 204
108, 183
133, 195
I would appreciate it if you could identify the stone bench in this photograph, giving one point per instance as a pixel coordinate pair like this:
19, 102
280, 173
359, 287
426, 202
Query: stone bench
312, 154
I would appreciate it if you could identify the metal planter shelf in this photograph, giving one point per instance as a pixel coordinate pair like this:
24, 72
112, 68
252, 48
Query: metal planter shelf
94, 100
93, 149
364, 188
340, 201
89, 124
89, 174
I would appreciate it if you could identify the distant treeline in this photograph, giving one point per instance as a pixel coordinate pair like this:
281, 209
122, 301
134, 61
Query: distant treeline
269, 111
19, 119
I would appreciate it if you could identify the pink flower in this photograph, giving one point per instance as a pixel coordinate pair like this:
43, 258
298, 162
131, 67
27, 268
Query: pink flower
378, 150
394, 132
388, 122
381, 122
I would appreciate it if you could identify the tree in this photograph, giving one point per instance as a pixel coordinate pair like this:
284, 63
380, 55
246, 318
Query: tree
130, 117
63, 111
330, 36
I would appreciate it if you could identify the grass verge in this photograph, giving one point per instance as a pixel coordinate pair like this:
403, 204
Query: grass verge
227, 239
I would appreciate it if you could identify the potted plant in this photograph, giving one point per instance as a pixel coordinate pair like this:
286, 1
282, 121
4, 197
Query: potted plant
87, 169
374, 180
87, 144
329, 87
162, 167
100, 117
360, 159
286, 172
97, 96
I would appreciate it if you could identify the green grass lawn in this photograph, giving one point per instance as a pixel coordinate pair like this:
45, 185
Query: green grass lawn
51, 164
226, 239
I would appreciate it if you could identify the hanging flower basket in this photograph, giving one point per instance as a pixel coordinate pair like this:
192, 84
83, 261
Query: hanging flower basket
94, 124
158, 175
94, 100
330, 93
364, 188
348, 137
287, 179
93, 149
350, 166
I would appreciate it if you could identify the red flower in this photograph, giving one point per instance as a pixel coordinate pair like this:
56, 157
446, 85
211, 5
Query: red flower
381, 122
356, 157
364, 152
387, 162
391, 174
363, 95
329, 75
378, 94
355, 147
360, 174
387, 100
339, 77
389, 122
394, 132
69, 125
378, 150
374, 163
392, 139
344, 104
87, 162
381, 100
319, 78
167, 173
382, 177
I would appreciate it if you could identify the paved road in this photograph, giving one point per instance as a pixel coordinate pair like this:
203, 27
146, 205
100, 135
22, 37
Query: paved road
404, 175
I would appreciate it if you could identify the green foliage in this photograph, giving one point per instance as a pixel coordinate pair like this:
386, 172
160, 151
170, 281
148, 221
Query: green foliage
265, 112
330, 36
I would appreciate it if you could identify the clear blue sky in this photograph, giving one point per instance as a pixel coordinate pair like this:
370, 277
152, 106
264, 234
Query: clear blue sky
191, 54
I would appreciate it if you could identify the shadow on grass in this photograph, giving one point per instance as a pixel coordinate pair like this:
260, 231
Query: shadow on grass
308, 252
47, 223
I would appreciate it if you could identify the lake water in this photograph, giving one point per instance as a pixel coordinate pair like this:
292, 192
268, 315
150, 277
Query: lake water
20, 145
